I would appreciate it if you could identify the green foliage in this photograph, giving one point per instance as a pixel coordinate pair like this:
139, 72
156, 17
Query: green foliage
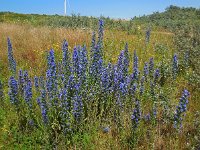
187, 41
173, 17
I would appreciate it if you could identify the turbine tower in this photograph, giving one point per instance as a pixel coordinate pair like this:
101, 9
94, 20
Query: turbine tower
65, 7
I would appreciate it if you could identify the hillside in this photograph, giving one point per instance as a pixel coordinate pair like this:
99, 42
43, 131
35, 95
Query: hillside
172, 17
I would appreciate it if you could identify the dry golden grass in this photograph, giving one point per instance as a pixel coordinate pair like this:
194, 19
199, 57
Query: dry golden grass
30, 43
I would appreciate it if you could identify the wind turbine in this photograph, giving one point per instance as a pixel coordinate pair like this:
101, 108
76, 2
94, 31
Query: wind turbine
65, 7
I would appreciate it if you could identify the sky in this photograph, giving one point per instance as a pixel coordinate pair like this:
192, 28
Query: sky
125, 9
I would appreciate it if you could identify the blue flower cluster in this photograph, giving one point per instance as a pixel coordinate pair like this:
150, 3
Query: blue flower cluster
100, 36
65, 112
28, 94
77, 108
151, 67
80, 84
136, 115
13, 92
80, 62
135, 67
175, 66
181, 108
51, 75
120, 73
36, 83
66, 57
43, 106
106, 79
11, 60
96, 53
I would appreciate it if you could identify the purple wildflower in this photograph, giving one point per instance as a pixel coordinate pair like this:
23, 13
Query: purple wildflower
28, 94
142, 85
148, 33
100, 36
156, 75
181, 108
151, 67
13, 91
136, 116
51, 75
11, 60
77, 107
65, 112
175, 66
146, 71
36, 83
135, 67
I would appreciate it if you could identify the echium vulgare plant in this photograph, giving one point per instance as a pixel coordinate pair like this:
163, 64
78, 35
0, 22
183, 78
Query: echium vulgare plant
135, 75
147, 37
136, 115
76, 62
133, 78
96, 64
104, 80
51, 78
66, 64
77, 105
71, 90
36, 83
28, 94
41, 82
43, 106
80, 62
151, 67
100, 36
120, 74
180, 109
126, 59
175, 66
106, 85
21, 82
96, 53
142, 85
153, 86
156, 75
65, 112
13, 92
28, 98
26, 78
11, 59
107, 78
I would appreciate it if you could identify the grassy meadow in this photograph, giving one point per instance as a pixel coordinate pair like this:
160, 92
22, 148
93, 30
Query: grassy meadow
42, 39
89, 94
